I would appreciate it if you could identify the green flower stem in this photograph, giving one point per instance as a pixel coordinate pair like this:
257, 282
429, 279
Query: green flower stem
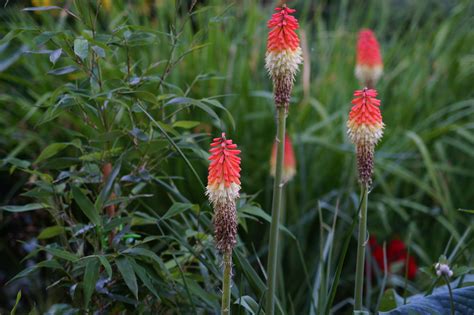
276, 209
225, 307
361, 244
451, 300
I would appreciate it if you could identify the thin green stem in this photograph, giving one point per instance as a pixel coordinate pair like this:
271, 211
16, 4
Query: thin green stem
361, 244
276, 209
451, 300
225, 307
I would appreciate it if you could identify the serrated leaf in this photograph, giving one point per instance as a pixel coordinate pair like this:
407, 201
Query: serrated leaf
50, 232
91, 275
86, 205
28, 207
125, 268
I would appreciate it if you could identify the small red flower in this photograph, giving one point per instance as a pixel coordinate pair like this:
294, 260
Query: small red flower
366, 109
289, 160
397, 254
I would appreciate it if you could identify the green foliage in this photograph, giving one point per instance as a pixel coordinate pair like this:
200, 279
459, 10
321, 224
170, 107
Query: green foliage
105, 122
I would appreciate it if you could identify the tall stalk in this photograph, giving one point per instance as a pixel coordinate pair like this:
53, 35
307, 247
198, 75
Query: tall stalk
361, 244
226, 286
276, 209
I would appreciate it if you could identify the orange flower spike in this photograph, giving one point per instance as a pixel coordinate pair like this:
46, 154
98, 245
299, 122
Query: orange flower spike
365, 129
284, 54
289, 161
224, 171
369, 66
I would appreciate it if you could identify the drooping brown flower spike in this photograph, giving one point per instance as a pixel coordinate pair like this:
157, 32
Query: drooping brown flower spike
365, 129
369, 66
283, 54
223, 189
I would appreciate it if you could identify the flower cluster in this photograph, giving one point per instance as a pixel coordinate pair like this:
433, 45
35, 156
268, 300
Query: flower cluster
443, 270
369, 66
283, 54
289, 161
223, 189
397, 256
365, 129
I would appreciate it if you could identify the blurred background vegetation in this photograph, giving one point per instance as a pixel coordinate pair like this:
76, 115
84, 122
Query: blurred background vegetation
139, 88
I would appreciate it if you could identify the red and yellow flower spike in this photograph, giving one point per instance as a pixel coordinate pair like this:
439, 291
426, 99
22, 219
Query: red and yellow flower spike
283, 53
365, 129
223, 189
289, 161
369, 66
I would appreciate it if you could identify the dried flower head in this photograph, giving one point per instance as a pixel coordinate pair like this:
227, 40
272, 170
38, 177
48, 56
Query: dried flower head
223, 189
289, 161
283, 53
365, 129
369, 66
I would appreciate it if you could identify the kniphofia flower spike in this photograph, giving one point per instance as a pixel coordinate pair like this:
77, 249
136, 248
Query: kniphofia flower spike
223, 189
369, 66
283, 53
365, 129
289, 161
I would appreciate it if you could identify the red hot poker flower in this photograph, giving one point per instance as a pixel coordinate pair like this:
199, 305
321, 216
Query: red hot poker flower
365, 129
224, 170
369, 66
222, 189
289, 161
283, 53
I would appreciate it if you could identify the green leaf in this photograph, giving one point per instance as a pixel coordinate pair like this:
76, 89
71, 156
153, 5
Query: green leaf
28, 207
85, 205
81, 48
18, 298
50, 232
138, 251
250, 305
390, 300
55, 54
107, 266
91, 275
60, 253
257, 212
43, 8
177, 208
105, 193
51, 150
186, 124
143, 275
438, 303
125, 268
63, 70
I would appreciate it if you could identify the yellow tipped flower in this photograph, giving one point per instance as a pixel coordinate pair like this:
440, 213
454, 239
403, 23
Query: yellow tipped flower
365, 129
223, 189
283, 53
